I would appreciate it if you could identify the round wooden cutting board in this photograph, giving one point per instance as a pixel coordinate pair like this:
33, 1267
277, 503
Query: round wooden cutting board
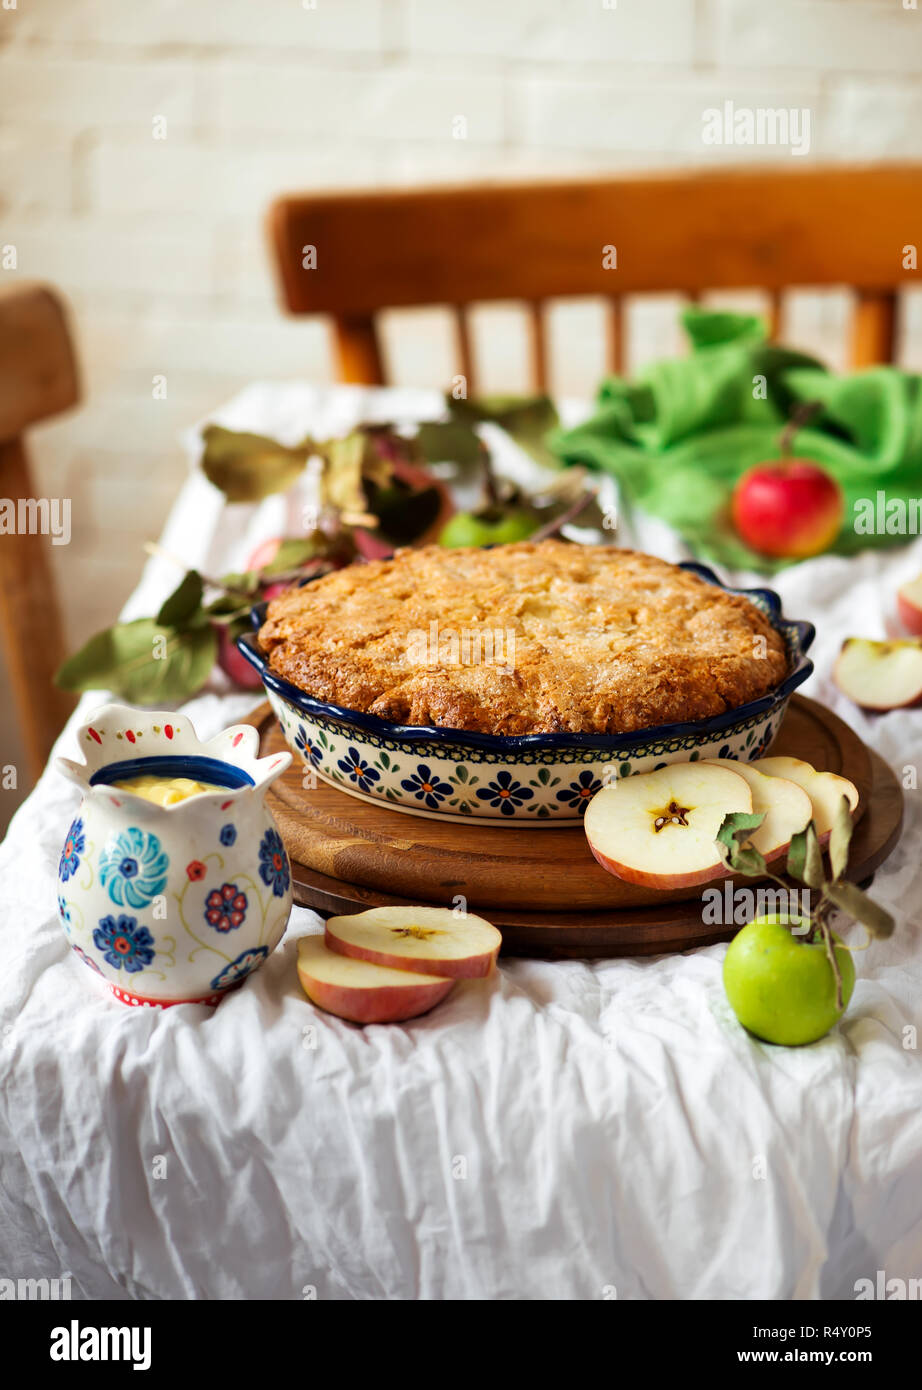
542, 888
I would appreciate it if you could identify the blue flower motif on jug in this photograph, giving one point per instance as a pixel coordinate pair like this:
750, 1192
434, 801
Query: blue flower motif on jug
238, 969
273, 863
74, 846
133, 866
124, 944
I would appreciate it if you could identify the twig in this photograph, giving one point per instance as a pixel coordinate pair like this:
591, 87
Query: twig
490, 485
563, 518
804, 412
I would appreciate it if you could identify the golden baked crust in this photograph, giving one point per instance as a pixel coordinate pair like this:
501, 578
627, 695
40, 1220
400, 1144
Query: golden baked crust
601, 640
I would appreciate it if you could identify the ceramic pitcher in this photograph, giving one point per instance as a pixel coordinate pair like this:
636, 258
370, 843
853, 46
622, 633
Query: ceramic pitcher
172, 904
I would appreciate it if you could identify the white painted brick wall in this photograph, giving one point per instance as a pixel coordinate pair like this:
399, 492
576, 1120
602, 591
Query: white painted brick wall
159, 246
655, 113
556, 31
829, 36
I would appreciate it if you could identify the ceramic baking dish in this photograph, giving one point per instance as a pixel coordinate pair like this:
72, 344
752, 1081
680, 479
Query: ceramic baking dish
544, 779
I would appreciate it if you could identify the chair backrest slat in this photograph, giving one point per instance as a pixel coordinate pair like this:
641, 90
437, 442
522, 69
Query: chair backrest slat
537, 333
775, 315
359, 350
873, 336
767, 229
615, 344
465, 351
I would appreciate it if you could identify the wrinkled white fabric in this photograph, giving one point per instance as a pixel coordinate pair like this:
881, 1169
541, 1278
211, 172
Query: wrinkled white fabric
565, 1130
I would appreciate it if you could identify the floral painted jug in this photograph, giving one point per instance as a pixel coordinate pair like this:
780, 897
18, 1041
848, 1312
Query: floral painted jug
172, 904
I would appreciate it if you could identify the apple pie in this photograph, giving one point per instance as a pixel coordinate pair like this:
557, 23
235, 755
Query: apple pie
524, 639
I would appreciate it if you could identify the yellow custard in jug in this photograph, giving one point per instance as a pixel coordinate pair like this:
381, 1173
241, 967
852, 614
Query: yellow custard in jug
166, 791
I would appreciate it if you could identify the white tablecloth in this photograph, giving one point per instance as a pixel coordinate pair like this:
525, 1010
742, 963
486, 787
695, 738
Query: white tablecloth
577, 1130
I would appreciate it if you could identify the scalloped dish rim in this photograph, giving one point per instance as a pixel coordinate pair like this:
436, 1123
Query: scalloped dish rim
798, 635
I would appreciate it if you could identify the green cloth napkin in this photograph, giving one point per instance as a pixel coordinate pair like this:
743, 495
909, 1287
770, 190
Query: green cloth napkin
679, 436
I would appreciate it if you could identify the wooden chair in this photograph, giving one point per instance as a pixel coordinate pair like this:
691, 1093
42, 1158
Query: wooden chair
350, 254
38, 379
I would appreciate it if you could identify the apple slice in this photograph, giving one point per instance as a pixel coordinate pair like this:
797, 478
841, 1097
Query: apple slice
880, 675
361, 991
659, 829
429, 940
909, 606
825, 789
785, 805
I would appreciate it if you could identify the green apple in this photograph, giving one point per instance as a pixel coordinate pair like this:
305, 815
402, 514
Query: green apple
781, 987
495, 525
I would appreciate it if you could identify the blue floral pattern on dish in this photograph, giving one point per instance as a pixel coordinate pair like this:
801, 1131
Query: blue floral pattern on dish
505, 793
238, 969
124, 944
426, 786
358, 771
74, 846
273, 863
579, 793
133, 866
309, 751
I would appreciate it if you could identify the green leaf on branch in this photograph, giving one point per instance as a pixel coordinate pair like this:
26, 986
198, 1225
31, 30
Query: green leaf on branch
341, 481
449, 441
291, 554
235, 587
840, 839
143, 661
183, 602
228, 606
735, 829
249, 467
526, 419
805, 859
850, 898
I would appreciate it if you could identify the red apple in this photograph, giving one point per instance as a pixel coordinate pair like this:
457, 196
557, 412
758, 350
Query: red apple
233, 663
788, 508
371, 546
264, 553
909, 606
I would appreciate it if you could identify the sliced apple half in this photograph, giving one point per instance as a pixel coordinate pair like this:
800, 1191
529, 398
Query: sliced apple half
825, 789
785, 806
659, 829
880, 675
429, 940
362, 991
909, 606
